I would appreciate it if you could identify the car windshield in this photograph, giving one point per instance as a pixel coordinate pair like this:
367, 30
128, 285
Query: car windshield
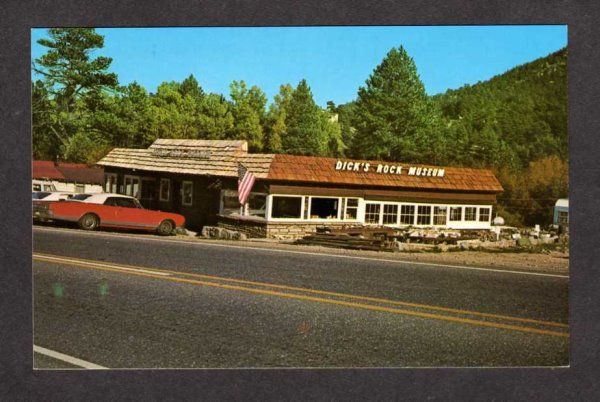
39, 195
80, 197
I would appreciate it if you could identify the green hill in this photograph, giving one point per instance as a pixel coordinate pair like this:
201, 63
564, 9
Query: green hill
523, 112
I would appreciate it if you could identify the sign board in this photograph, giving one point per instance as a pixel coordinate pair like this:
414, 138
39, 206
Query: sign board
181, 153
381, 168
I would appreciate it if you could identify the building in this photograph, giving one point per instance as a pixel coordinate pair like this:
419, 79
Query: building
62, 176
293, 195
561, 212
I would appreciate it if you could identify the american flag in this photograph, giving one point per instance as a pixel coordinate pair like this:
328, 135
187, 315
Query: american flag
245, 183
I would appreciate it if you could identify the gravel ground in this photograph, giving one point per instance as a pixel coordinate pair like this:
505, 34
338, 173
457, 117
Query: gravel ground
554, 262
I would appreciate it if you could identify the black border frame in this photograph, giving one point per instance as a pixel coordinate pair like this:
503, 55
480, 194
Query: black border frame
19, 381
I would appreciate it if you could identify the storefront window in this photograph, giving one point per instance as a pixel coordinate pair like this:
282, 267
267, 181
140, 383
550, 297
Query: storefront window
187, 191
439, 215
390, 214
372, 213
424, 215
230, 203
257, 204
165, 189
407, 214
286, 207
351, 209
470, 213
484, 214
324, 208
455, 214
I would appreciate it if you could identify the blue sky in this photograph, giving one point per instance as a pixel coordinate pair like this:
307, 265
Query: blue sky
334, 60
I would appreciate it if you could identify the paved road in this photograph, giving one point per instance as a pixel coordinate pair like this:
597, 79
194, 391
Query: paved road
142, 301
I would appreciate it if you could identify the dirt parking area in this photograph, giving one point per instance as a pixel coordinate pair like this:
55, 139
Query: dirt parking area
551, 262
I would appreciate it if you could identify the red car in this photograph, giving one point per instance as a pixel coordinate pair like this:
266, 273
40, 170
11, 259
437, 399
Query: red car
92, 211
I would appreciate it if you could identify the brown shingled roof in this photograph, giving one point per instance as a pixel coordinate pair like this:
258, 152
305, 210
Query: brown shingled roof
221, 159
312, 169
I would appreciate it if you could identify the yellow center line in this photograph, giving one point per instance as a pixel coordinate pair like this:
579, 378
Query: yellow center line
160, 274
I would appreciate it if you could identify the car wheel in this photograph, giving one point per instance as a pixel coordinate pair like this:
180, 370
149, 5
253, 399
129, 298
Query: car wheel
89, 222
165, 228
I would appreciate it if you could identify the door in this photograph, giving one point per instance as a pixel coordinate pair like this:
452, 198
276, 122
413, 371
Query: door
176, 193
148, 193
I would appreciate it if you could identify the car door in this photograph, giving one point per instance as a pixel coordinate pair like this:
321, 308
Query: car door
133, 215
109, 212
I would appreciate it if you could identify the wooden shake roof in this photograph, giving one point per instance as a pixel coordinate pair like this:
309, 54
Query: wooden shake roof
220, 158
322, 170
215, 158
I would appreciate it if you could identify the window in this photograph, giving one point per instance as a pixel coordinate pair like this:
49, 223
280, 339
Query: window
424, 215
257, 204
484, 214
230, 204
36, 187
80, 188
132, 186
110, 183
81, 197
390, 214
563, 218
439, 215
165, 189
351, 212
455, 214
372, 213
40, 195
286, 207
407, 214
470, 213
122, 202
324, 208
187, 190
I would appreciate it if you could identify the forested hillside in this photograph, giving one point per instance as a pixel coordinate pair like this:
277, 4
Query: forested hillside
515, 123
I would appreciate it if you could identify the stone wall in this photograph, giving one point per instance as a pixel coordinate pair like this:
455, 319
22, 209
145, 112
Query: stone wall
250, 228
292, 231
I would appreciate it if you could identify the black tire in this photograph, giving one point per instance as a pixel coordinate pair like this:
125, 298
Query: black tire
165, 228
89, 222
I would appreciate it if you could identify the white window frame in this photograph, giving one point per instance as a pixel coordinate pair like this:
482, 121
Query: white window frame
132, 177
115, 178
160, 189
465, 214
270, 208
339, 209
479, 214
183, 184
345, 209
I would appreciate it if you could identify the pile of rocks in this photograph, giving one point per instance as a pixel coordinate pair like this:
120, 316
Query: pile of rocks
215, 232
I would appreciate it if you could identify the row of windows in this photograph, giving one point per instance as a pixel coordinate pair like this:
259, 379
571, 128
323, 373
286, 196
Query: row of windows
423, 216
322, 208
135, 187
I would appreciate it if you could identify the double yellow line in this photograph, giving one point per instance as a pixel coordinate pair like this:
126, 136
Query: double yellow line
263, 288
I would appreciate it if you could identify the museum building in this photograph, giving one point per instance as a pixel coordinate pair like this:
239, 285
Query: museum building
293, 195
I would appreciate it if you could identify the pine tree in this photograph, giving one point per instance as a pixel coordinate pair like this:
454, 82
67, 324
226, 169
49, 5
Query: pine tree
304, 135
75, 82
392, 112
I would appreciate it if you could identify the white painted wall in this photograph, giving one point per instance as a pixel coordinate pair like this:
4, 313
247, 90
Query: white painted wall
70, 187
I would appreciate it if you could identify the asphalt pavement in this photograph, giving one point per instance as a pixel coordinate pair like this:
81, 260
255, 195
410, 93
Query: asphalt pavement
147, 302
